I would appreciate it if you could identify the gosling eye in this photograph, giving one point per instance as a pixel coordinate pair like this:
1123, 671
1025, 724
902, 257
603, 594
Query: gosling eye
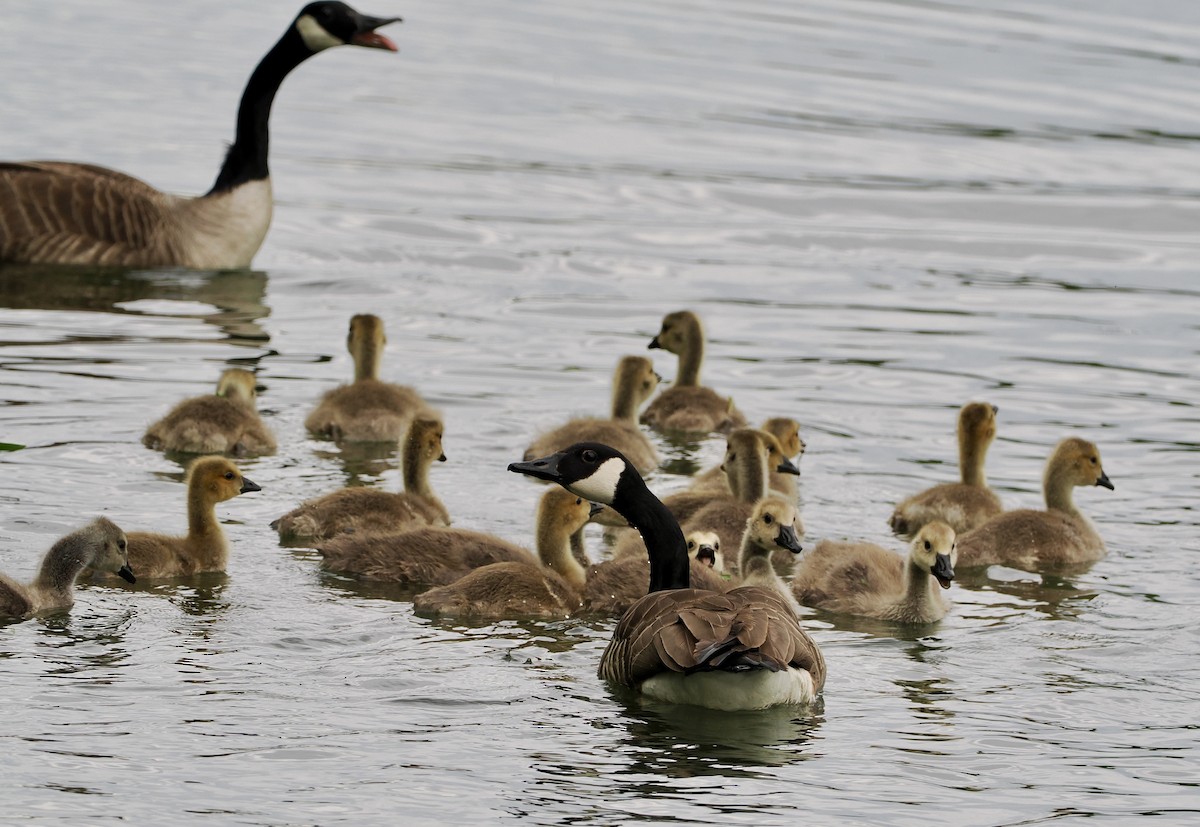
927, 546
716, 545
588, 455
1092, 460
579, 501
691, 544
768, 519
121, 545
228, 475
733, 456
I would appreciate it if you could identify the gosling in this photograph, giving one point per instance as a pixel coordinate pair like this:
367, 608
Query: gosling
226, 422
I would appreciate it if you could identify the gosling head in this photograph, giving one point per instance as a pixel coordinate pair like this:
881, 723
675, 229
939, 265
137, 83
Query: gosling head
1079, 462
977, 422
705, 547
563, 510
678, 329
637, 373
773, 524
777, 457
590, 470
238, 385
935, 550
324, 25
787, 431
366, 330
219, 478
112, 553
425, 437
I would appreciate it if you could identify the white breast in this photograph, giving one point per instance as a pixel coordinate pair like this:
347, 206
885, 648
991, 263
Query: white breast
732, 691
225, 231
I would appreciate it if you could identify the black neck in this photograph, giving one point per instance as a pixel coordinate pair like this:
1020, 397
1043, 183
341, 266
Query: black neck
247, 158
665, 543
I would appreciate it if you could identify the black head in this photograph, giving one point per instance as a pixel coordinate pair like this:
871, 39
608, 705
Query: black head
326, 24
587, 469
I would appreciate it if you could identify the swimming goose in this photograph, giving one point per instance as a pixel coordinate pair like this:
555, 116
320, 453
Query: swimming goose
687, 405
741, 649
548, 588
226, 422
436, 556
210, 480
787, 431
867, 580
772, 526
633, 383
52, 212
363, 509
779, 464
99, 544
615, 585
367, 410
1057, 537
962, 505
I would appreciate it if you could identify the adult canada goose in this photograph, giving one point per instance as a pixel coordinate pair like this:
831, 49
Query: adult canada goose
741, 649
52, 212
226, 422
99, 544
633, 383
867, 580
548, 588
368, 409
436, 556
772, 526
962, 505
687, 405
210, 480
363, 509
1055, 538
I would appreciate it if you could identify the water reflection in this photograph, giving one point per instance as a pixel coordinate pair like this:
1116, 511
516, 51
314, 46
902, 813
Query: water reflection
234, 300
363, 462
1052, 594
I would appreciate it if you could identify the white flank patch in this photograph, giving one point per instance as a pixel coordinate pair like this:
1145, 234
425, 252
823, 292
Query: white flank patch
226, 230
314, 34
601, 485
732, 691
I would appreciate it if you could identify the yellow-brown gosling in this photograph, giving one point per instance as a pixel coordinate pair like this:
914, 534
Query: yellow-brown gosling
863, 579
962, 505
226, 422
1059, 537
100, 544
363, 509
687, 405
368, 409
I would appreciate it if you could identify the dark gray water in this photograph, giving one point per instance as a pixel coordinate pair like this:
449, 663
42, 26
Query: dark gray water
881, 209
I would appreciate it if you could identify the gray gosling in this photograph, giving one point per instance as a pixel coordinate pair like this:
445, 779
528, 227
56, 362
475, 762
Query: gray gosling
962, 505
687, 405
226, 422
99, 544
368, 409
633, 383
210, 480
863, 579
363, 509
1057, 538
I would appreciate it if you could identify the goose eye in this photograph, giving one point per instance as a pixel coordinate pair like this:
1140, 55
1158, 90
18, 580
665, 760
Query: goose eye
588, 455
579, 501
691, 544
768, 519
1092, 460
927, 546
228, 475
121, 545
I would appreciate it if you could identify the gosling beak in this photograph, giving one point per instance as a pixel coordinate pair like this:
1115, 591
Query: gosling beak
789, 539
942, 570
788, 467
707, 555
595, 508
126, 574
1104, 481
545, 468
654, 343
442, 458
365, 34
248, 486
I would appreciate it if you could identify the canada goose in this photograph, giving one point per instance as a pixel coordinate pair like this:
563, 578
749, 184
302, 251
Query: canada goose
547, 588
687, 405
741, 649
367, 410
1057, 537
99, 544
780, 467
771, 527
436, 556
962, 505
787, 431
53, 212
615, 585
370, 509
210, 480
867, 580
226, 422
633, 383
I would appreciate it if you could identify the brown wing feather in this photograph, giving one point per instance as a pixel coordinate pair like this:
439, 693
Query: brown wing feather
64, 213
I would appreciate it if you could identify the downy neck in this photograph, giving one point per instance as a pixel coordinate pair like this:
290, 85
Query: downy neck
624, 402
416, 471
202, 514
367, 356
916, 586
691, 356
61, 567
247, 157
971, 454
749, 476
554, 551
665, 543
1058, 488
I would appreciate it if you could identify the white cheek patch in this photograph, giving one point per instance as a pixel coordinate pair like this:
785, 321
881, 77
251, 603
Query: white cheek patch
314, 34
601, 485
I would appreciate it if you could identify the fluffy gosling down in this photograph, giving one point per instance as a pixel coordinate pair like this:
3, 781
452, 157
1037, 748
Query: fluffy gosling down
1057, 538
368, 409
735, 650
962, 505
100, 544
867, 580
226, 422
